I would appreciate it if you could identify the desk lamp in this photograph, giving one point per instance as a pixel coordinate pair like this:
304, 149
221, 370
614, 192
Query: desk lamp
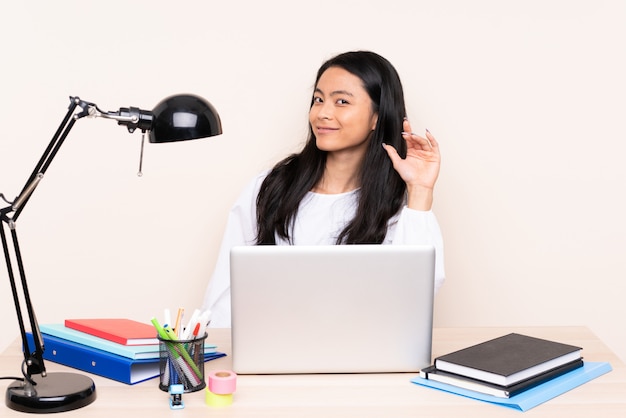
176, 118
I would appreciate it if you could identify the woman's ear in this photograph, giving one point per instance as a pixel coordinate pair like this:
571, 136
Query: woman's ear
374, 121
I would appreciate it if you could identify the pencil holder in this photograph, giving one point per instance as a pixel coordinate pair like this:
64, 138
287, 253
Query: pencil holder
182, 362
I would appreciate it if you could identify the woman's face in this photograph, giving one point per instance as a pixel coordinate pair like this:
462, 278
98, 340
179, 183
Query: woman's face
341, 115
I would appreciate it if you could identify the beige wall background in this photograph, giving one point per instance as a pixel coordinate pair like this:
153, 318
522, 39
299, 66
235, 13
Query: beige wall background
525, 97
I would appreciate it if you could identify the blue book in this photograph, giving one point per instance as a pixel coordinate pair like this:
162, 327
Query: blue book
100, 362
534, 396
135, 352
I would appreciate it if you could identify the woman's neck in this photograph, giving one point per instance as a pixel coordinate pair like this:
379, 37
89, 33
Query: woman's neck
340, 176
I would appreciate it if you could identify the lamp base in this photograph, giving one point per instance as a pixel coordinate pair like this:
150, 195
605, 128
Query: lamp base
57, 392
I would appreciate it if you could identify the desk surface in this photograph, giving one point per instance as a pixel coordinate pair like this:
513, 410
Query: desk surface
362, 395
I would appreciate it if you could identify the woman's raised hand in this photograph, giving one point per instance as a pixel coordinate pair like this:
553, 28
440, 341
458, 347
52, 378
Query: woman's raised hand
420, 168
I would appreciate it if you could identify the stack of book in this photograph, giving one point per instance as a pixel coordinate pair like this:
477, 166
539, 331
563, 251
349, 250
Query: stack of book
510, 368
120, 349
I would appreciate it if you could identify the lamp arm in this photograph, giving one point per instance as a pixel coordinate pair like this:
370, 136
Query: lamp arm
49, 153
132, 117
33, 358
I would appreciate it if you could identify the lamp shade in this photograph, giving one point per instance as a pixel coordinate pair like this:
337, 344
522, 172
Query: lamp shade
182, 117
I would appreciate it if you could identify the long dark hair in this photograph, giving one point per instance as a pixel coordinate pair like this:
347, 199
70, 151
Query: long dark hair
382, 190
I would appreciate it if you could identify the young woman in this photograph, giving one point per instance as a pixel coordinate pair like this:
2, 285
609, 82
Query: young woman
363, 176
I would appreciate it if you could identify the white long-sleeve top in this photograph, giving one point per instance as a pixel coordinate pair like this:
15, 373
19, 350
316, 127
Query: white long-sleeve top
320, 219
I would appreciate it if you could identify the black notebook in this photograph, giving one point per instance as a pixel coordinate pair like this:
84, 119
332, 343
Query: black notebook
496, 390
508, 359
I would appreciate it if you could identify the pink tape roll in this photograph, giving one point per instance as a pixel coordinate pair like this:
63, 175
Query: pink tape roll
222, 382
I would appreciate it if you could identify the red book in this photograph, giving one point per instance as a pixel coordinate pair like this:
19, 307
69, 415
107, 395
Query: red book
119, 330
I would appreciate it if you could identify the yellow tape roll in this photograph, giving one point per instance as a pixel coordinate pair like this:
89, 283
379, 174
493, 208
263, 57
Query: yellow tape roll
213, 399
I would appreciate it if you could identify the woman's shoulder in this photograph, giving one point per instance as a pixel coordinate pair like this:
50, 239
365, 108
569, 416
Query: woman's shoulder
260, 177
254, 184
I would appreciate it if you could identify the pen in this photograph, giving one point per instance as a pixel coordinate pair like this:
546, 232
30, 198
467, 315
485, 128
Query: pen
159, 329
169, 331
204, 320
167, 316
179, 318
197, 347
191, 325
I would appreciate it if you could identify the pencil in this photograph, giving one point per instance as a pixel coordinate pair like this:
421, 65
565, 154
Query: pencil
179, 318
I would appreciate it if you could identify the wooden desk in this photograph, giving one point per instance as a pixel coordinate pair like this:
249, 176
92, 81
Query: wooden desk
364, 395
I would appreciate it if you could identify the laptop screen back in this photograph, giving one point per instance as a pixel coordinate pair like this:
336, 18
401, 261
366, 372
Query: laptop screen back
331, 309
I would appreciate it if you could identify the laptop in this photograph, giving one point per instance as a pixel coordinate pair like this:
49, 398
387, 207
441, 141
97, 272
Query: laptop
331, 309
